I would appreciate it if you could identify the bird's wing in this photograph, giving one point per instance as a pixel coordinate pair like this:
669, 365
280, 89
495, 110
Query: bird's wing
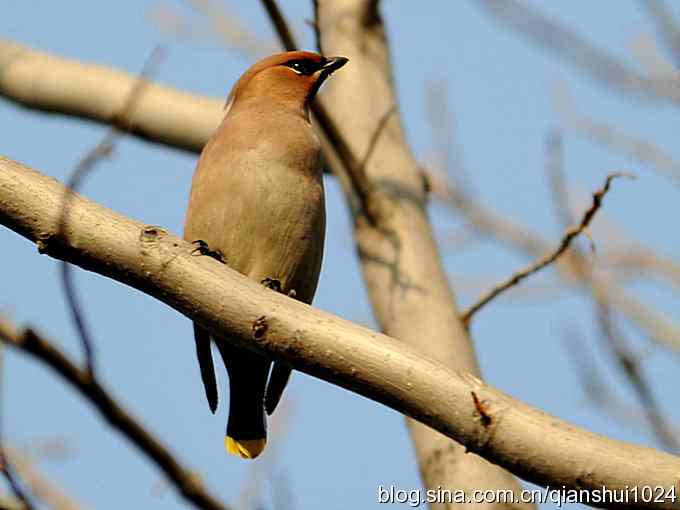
205, 362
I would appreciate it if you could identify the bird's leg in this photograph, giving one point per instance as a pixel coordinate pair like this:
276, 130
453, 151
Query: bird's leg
202, 248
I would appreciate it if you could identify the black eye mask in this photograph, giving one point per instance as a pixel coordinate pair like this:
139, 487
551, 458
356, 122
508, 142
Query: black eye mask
305, 67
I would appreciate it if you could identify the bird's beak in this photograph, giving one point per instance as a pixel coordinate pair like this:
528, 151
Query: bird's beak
332, 64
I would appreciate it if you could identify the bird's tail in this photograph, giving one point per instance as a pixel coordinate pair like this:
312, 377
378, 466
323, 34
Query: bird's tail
246, 434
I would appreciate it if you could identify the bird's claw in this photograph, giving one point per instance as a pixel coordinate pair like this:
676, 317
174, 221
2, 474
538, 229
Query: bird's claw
272, 283
275, 285
202, 248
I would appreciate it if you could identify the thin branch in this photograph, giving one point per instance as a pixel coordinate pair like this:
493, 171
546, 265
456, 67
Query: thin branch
666, 26
87, 163
630, 262
6, 468
361, 186
444, 132
184, 480
10, 503
316, 26
226, 24
596, 389
555, 157
43, 489
548, 259
648, 54
483, 220
618, 346
616, 343
547, 33
280, 25
377, 132
13, 482
641, 150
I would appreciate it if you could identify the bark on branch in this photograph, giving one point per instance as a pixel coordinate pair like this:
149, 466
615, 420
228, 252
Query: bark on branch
52, 84
535, 446
409, 290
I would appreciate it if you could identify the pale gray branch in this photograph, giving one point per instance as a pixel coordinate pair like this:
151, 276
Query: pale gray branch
538, 447
52, 84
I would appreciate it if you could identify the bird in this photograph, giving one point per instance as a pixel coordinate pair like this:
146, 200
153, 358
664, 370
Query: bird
257, 204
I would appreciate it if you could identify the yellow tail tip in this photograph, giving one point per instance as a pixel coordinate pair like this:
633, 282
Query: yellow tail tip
245, 448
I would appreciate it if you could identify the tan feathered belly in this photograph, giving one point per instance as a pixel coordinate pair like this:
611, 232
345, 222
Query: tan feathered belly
264, 215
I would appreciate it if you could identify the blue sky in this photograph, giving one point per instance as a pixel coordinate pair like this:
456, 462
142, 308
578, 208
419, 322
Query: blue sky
335, 448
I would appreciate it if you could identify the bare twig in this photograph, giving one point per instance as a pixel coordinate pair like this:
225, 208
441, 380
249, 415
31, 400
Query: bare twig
548, 259
317, 27
616, 343
596, 389
648, 54
8, 502
551, 35
630, 366
361, 186
224, 26
637, 260
229, 28
8, 470
45, 490
483, 220
213, 21
444, 134
14, 484
184, 480
101, 150
555, 157
641, 150
666, 26
280, 25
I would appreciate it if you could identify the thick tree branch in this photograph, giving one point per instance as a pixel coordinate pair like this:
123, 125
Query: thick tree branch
52, 84
407, 285
518, 437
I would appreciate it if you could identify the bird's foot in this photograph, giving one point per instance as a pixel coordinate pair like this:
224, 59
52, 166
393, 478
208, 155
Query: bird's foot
275, 285
272, 283
202, 248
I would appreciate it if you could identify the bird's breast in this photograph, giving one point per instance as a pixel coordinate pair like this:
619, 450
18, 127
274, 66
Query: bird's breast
260, 201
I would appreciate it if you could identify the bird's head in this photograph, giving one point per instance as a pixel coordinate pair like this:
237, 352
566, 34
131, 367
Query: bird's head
290, 78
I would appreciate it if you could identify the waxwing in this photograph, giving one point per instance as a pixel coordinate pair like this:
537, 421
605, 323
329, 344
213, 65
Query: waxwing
257, 203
